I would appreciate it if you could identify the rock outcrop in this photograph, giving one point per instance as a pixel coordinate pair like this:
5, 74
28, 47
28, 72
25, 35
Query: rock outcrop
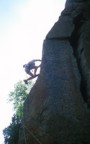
57, 110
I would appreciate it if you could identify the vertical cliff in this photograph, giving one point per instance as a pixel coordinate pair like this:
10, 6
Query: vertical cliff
57, 110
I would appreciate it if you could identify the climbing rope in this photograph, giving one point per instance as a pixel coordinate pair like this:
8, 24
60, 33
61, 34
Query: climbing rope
24, 127
24, 135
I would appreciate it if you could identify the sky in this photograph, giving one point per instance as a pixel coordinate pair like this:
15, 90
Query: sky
23, 27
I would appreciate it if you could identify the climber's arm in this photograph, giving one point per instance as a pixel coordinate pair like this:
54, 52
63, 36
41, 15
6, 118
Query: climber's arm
36, 60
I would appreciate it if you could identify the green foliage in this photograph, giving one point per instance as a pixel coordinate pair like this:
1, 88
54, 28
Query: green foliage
18, 96
11, 133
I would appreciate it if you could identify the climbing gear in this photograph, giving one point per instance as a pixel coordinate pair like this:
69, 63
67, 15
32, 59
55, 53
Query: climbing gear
25, 81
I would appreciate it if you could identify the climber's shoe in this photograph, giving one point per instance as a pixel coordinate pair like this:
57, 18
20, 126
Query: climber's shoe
25, 81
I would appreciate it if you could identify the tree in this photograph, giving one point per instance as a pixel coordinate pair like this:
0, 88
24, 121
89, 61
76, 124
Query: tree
18, 96
11, 133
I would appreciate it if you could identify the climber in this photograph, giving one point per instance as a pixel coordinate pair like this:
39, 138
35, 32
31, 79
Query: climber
28, 67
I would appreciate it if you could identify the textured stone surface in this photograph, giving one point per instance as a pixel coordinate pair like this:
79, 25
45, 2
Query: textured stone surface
57, 110
60, 30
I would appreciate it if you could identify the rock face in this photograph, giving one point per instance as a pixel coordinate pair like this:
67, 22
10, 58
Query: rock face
57, 110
